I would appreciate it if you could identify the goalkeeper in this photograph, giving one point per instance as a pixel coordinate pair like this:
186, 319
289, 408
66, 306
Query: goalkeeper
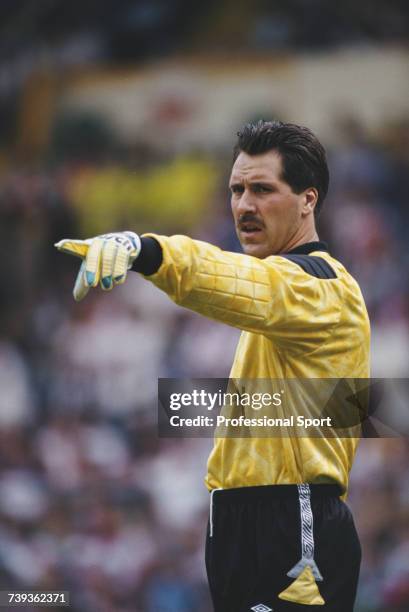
280, 537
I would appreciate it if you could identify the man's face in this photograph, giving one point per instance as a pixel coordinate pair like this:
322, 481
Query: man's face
267, 213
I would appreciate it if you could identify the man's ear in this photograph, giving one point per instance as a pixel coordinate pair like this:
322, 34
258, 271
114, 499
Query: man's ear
310, 201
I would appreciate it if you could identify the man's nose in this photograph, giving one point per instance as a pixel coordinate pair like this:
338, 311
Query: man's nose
246, 203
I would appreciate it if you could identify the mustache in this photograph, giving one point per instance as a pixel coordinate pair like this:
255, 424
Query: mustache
249, 218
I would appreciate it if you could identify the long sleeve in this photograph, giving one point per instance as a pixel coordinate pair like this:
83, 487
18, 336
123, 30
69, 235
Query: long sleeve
273, 296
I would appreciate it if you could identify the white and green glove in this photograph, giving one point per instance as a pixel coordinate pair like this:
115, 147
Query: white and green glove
106, 260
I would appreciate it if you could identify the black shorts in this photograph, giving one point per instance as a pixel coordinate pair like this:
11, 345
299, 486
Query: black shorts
257, 536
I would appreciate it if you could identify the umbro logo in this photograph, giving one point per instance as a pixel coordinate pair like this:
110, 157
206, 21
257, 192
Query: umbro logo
261, 608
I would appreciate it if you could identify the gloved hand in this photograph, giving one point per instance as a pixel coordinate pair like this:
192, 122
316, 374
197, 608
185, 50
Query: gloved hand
106, 260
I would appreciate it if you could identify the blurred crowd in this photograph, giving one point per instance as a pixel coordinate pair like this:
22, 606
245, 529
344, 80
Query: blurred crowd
91, 501
136, 29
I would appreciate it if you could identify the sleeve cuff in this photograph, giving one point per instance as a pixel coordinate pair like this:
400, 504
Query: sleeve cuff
150, 258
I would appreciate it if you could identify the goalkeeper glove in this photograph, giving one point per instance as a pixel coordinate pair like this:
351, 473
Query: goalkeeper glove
106, 260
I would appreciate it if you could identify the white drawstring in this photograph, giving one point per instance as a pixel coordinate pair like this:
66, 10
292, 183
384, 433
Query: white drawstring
211, 511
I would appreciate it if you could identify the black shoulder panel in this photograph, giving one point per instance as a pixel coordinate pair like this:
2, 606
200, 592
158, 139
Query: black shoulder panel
311, 264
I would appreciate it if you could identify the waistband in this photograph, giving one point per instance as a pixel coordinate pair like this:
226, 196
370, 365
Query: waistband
317, 491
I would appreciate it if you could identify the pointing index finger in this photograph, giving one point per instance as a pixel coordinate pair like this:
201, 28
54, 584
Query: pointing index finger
79, 248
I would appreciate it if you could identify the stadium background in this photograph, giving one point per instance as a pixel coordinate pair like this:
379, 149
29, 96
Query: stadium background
121, 115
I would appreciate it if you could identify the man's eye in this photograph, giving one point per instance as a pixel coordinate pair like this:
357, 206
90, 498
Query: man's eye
262, 189
237, 189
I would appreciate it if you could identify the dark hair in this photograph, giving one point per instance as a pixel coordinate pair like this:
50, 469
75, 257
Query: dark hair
303, 156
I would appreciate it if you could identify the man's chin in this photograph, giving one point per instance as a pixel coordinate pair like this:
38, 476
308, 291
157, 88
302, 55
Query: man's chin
256, 250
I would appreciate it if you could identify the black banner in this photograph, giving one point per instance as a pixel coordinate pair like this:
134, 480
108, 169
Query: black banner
260, 408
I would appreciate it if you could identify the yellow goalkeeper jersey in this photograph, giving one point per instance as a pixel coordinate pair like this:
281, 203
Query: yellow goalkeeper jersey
302, 316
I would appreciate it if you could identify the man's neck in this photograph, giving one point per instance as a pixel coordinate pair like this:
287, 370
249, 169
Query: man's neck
308, 247
296, 241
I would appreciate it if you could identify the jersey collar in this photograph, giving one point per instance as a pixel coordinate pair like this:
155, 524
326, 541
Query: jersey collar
308, 247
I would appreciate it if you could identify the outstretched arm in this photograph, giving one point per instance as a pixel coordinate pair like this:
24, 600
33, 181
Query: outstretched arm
273, 296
